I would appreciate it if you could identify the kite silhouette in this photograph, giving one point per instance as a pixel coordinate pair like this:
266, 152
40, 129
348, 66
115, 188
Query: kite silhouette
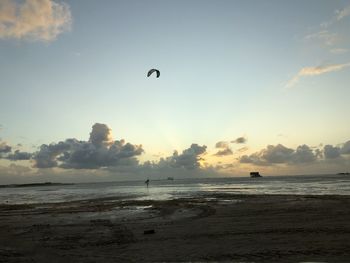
151, 71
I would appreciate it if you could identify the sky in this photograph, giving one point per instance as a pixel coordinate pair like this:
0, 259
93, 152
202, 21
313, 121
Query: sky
244, 85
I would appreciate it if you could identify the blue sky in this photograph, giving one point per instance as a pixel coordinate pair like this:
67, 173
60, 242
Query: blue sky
227, 70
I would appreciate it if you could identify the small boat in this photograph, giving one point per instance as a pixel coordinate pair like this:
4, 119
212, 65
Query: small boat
170, 178
255, 174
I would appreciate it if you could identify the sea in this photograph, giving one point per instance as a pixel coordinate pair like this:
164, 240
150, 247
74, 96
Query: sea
178, 188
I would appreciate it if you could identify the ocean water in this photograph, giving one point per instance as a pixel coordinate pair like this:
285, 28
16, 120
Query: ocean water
180, 188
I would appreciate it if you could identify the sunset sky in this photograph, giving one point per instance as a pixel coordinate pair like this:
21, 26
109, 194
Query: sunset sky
244, 85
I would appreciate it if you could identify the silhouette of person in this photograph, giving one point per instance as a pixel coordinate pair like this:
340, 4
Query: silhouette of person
147, 182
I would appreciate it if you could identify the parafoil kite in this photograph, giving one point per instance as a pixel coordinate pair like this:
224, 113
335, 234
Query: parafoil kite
150, 72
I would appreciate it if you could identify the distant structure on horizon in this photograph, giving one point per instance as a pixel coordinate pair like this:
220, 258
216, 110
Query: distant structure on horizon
170, 178
346, 173
255, 174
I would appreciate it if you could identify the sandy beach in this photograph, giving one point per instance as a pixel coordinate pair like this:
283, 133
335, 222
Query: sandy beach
233, 228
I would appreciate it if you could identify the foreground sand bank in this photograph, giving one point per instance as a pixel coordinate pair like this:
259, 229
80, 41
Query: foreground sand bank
236, 228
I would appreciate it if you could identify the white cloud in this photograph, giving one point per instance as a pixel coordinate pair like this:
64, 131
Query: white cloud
339, 50
339, 15
37, 20
313, 71
343, 13
328, 38
224, 152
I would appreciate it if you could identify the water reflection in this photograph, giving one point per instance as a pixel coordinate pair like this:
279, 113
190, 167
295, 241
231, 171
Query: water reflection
165, 189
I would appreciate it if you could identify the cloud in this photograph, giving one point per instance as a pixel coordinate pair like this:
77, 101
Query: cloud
99, 152
279, 154
222, 144
314, 71
328, 38
103, 159
311, 71
225, 144
224, 152
85, 155
340, 14
243, 149
102, 152
37, 20
15, 170
240, 140
304, 154
319, 153
188, 159
5, 153
252, 159
100, 135
225, 149
4, 148
331, 152
19, 156
339, 50
276, 154
46, 157
345, 149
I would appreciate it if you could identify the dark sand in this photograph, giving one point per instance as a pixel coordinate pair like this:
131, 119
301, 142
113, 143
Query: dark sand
232, 228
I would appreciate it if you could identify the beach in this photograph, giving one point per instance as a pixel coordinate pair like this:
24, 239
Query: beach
207, 228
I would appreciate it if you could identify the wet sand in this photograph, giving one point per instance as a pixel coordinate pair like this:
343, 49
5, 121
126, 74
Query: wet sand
230, 228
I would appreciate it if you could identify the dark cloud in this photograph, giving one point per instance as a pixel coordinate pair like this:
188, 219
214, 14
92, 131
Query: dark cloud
100, 151
224, 152
253, 159
243, 149
345, 148
46, 157
100, 134
85, 155
279, 154
304, 154
319, 153
4, 148
225, 149
276, 154
19, 156
331, 152
240, 140
188, 159
222, 144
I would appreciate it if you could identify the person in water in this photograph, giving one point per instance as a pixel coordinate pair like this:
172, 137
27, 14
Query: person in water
147, 182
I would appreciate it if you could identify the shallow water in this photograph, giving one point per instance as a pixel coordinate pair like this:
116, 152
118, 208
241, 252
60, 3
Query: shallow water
180, 188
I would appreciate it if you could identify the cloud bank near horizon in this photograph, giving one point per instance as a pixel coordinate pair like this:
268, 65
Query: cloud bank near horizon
102, 155
303, 154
